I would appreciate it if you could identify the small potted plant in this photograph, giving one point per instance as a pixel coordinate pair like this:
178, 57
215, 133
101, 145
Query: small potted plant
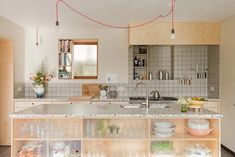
40, 81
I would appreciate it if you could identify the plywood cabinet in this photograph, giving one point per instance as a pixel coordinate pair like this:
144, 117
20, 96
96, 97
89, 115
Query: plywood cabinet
123, 137
187, 33
6, 90
22, 105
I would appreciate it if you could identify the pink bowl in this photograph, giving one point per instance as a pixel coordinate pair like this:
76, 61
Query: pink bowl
198, 132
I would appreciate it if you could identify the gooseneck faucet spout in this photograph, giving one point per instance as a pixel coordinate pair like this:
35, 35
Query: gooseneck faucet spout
147, 92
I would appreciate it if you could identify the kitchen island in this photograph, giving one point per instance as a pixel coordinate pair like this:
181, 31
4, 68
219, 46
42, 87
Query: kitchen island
64, 130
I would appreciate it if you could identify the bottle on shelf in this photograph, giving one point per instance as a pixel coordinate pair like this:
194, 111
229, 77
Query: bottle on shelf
150, 76
143, 62
160, 75
135, 61
166, 75
139, 62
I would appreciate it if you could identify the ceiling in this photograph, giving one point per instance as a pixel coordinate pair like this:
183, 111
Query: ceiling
117, 12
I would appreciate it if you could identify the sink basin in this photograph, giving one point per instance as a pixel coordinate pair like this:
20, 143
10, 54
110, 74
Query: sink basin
160, 106
132, 105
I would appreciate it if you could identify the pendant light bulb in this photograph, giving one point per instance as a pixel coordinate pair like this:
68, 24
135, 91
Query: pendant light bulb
172, 33
57, 25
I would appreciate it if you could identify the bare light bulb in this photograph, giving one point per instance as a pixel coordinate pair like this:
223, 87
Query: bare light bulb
57, 25
172, 33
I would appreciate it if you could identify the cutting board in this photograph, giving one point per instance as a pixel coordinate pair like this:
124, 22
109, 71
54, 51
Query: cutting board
91, 90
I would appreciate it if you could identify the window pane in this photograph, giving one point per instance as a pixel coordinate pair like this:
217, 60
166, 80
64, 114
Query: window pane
85, 60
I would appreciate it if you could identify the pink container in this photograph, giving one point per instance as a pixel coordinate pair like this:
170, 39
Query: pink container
199, 132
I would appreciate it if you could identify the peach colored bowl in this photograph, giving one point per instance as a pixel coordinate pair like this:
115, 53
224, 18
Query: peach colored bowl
197, 132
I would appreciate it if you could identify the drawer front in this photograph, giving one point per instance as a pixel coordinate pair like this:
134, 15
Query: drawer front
17, 109
110, 103
62, 102
71, 102
27, 104
211, 104
214, 109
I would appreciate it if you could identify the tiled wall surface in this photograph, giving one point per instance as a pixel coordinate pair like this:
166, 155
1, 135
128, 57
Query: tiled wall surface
213, 72
160, 58
181, 63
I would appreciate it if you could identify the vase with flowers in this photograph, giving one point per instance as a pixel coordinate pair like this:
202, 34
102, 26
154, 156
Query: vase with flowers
40, 81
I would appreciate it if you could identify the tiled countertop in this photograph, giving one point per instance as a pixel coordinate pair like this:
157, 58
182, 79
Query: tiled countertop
41, 99
96, 99
106, 111
64, 98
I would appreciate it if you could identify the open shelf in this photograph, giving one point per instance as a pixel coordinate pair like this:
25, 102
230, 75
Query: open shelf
115, 129
94, 136
29, 139
116, 148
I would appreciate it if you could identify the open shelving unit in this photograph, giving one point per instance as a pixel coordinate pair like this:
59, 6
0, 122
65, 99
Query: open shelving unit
65, 50
118, 137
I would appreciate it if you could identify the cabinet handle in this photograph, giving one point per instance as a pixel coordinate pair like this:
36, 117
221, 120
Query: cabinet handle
32, 103
233, 105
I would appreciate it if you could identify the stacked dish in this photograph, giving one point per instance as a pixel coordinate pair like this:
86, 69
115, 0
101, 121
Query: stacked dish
197, 150
163, 129
198, 127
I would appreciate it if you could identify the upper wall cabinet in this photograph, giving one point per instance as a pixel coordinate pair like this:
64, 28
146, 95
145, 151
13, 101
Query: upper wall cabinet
187, 33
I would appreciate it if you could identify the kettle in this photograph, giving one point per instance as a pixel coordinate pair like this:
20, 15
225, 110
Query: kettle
155, 94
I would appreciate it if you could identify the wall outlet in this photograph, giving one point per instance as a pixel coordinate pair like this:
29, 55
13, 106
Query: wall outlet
19, 89
121, 89
212, 89
111, 78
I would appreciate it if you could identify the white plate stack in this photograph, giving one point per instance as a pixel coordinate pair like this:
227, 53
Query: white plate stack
163, 129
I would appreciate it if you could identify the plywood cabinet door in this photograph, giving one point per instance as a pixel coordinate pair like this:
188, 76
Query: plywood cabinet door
187, 33
21, 105
6, 90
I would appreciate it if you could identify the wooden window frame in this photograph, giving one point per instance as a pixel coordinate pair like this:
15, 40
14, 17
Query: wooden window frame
87, 42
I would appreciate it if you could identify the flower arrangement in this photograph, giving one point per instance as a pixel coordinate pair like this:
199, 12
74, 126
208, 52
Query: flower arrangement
184, 102
41, 78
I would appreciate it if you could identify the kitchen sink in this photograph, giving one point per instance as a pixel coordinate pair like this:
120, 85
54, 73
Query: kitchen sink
159, 106
131, 105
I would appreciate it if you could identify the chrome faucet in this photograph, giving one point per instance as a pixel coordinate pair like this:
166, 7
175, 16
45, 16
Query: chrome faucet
147, 92
155, 94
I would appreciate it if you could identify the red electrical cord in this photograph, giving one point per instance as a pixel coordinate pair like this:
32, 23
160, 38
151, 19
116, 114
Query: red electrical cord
113, 26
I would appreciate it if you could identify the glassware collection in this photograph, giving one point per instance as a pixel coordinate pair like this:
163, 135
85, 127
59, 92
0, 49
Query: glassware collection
118, 153
112, 129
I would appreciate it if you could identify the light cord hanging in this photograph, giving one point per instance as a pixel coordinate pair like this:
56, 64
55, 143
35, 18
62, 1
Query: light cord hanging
109, 25
172, 20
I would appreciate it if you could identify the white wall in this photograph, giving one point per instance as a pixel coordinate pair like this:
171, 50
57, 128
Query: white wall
16, 34
112, 52
227, 71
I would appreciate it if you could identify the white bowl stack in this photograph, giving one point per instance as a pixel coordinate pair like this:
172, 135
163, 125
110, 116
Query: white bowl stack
163, 129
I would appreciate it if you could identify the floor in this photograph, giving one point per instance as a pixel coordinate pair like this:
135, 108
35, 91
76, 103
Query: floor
6, 152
